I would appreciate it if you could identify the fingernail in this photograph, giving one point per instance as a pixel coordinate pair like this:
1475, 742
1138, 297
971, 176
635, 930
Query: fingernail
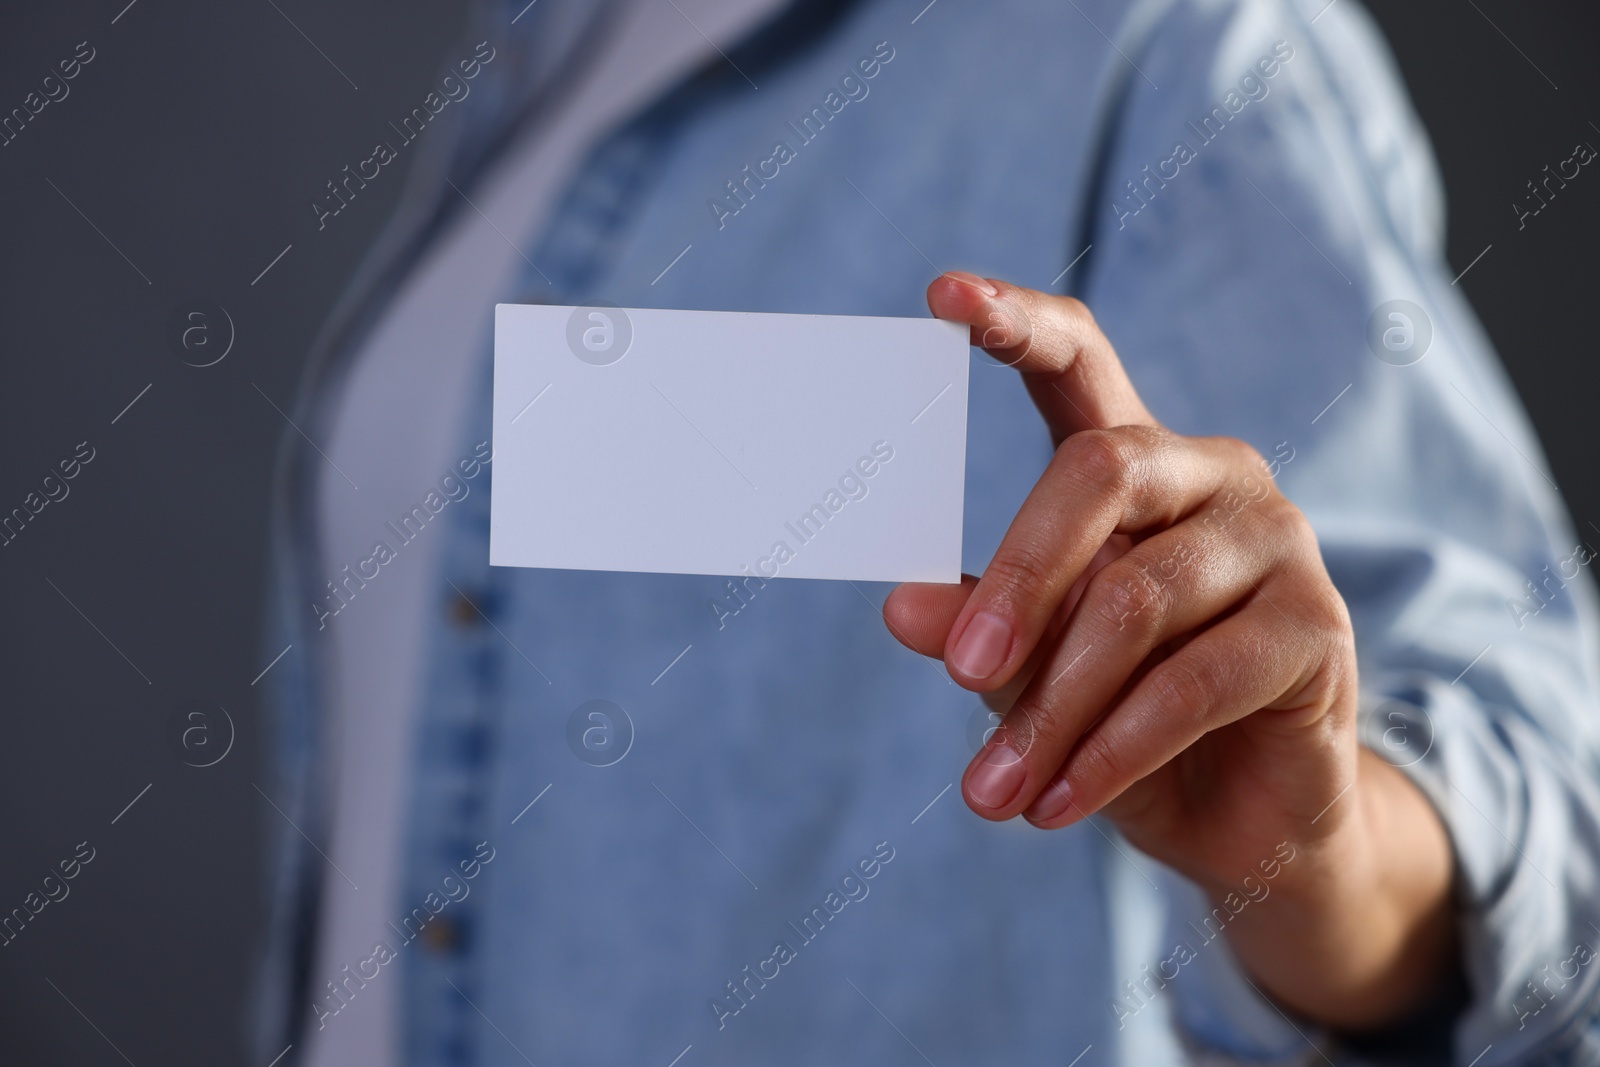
973, 280
983, 646
997, 777
1052, 803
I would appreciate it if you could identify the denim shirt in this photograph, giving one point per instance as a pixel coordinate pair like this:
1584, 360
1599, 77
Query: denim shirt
777, 867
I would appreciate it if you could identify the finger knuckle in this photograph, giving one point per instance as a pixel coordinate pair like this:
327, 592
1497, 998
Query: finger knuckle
1340, 668
1072, 307
1290, 529
1076, 316
1293, 523
1330, 615
1020, 571
1101, 458
1130, 598
1191, 685
1098, 761
1241, 454
1029, 722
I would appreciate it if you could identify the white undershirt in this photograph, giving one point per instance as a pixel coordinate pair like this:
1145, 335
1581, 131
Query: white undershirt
397, 434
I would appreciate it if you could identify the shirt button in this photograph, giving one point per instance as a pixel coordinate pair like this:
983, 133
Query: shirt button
440, 935
461, 610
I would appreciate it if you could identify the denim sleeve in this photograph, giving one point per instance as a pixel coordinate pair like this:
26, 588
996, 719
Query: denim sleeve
1268, 260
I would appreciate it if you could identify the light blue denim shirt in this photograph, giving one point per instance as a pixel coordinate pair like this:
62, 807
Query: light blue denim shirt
778, 870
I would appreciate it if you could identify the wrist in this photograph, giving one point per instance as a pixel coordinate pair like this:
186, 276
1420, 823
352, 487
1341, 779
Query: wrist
1359, 928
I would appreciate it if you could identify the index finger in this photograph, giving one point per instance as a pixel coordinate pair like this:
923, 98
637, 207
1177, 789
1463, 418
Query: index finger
1074, 375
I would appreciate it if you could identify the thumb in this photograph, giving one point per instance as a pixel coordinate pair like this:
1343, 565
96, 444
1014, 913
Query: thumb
920, 615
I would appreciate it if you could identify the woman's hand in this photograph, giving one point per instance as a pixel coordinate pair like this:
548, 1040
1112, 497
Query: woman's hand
1168, 649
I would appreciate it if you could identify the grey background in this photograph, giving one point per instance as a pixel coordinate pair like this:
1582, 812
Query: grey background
194, 141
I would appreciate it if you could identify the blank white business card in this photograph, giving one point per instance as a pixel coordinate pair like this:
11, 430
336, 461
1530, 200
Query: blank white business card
701, 442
